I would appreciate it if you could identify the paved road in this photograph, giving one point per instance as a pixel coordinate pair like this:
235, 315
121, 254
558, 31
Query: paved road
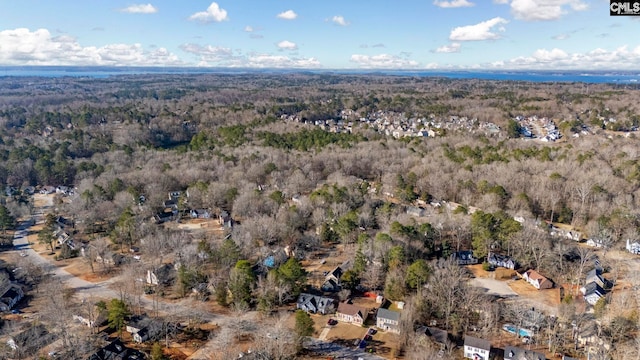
101, 290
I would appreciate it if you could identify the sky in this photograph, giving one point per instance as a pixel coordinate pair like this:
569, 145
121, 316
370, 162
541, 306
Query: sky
327, 34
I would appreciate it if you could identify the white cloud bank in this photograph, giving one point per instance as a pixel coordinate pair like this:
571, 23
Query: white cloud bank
140, 9
287, 45
453, 3
287, 15
219, 56
543, 10
621, 58
213, 13
382, 61
25, 47
482, 31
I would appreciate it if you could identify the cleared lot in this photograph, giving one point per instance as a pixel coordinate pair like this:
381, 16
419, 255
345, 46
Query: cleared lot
494, 287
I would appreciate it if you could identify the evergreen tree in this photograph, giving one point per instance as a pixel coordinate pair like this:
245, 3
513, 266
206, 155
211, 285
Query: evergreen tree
6, 220
118, 313
46, 235
292, 273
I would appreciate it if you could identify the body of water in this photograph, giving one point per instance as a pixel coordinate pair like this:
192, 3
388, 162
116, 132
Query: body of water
532, 76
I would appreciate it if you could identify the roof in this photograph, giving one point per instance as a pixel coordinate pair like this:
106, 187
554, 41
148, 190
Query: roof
477, 342
593, 288
534, 275
116, 350
388, 314
319, 302
595, 272
438, 335
350, 309
515, 353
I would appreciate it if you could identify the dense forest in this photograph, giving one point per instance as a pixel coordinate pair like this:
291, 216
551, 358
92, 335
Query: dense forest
249, 145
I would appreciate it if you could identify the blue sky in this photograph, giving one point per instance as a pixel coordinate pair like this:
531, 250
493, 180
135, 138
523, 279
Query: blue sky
330, 34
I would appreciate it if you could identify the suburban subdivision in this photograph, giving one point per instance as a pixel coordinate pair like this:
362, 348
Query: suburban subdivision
318, 216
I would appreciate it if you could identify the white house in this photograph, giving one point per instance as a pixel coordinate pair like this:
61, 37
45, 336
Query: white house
476, 349
388, 320
633, 247
538, 281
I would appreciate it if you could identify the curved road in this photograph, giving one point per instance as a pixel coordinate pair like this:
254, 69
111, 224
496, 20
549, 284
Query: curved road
101, 290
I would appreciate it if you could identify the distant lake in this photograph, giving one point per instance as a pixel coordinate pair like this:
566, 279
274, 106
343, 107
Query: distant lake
614, 77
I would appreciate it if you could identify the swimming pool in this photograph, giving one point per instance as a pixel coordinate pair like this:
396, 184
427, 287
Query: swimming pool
512, 329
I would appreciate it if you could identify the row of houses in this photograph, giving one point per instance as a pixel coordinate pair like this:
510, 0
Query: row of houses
171, 210
480, 349
386, 319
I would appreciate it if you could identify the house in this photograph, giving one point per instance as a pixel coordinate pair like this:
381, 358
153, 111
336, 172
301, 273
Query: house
590, 335
11, 295
416, 211
31, 340
200, 214
538, 281
515, 353
46, 190
439, 336
225, 219
144, 328
332, 280
64, 190
476, 349
164, 216
64, 222
116, 350
592, 293
351, 313
388, 320
164, 275
597, 243
504, 261
316, 304
464, 257
633, 247
595, 275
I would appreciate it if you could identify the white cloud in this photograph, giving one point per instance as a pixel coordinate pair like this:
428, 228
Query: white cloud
452, 3
561, 37
25, 47
140, 9
287, 15
621, 58
280, 61
339, 20
451, 48
477, 32
219, 56
248, 28
208, 53
382, 61
543, 10
287, 45
213, 13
